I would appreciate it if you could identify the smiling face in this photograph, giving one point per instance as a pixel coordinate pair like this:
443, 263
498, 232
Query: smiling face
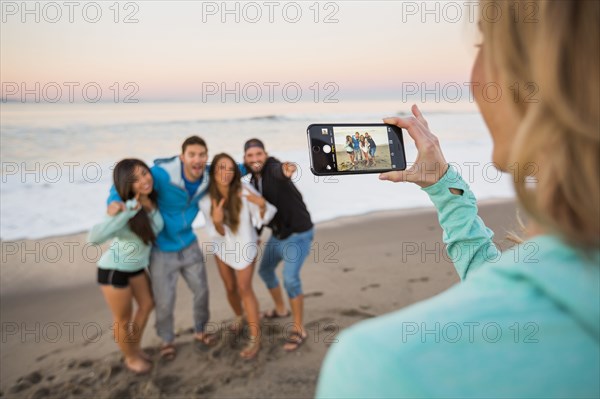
194, 161
255, 158
142, 181
224, 171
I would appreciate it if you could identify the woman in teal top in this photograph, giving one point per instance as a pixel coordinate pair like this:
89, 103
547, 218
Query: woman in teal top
122, 275
524, 323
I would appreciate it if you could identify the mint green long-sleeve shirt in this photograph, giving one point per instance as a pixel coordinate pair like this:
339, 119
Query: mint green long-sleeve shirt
524, 323
127, 252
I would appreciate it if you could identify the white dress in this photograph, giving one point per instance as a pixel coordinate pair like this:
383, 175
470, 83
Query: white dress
238, 250
365, 147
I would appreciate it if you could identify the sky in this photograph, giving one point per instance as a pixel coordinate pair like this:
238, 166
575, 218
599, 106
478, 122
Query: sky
194, 50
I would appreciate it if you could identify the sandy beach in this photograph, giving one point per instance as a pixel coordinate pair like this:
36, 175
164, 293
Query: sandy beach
382, 160
57, 341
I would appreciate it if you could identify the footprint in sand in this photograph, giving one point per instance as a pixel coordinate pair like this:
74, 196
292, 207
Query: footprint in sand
26, 382
84, 364
40, 358
33, 378
366, 287
417, 280
356, 313
167, 382
321, 323
41, 393
204, 389
313, 294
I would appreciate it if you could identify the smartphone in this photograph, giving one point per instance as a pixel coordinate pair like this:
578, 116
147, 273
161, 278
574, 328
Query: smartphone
355, 148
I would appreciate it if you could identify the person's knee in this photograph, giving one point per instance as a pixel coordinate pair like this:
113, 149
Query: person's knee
266, 272
232, 289
163, 307
293, 286
198, 286
245, 290
146, 306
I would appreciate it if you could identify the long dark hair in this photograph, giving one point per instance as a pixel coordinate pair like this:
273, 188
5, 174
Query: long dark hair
233, 205
123, 178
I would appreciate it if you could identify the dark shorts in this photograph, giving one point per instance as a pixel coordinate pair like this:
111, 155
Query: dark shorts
116, 278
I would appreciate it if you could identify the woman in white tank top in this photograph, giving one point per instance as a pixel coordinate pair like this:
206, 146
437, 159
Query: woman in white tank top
233, 210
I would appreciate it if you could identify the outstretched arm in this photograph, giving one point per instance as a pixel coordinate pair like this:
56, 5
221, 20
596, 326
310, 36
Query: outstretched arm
468, 240
113, 223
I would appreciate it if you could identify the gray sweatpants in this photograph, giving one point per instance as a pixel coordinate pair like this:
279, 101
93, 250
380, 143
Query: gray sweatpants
165, 268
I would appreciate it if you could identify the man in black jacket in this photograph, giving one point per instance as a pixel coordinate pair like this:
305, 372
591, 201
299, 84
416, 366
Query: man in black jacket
292, 235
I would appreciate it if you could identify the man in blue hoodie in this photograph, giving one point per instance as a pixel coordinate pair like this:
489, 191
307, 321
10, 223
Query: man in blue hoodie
180, 181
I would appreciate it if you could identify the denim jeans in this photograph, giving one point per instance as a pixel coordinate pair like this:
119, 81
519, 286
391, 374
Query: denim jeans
358, 154
293, 251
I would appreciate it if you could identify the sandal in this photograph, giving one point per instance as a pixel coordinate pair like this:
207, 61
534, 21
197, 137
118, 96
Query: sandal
207, 341
251, 350
145, 355
168, 352
296, 339
272, 314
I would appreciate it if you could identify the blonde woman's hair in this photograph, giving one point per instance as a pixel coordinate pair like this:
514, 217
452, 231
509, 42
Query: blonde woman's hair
547, 53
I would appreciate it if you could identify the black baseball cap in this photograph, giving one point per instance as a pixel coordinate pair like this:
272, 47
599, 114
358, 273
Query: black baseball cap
253, 143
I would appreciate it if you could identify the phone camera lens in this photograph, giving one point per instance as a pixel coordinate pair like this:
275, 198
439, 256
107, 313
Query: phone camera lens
316, 148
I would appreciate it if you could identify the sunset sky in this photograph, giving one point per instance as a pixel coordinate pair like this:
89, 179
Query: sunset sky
170, 52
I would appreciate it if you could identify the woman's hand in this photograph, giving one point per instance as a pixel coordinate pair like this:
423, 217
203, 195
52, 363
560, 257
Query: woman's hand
217, 211
430, 165
115, 207
138, 201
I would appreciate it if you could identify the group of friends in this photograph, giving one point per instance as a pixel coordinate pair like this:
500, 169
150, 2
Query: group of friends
541, 298
361, 148
150, 211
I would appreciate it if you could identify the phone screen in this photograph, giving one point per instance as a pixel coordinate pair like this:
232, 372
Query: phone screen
362, 148
356, 148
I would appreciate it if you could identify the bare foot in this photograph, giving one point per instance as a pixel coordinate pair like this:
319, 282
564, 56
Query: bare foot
138, 366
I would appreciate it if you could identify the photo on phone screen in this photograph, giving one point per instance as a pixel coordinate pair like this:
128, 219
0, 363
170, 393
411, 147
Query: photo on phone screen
355, 148
362, 148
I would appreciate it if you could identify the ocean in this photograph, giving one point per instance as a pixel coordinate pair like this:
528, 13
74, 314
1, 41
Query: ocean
57, 159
